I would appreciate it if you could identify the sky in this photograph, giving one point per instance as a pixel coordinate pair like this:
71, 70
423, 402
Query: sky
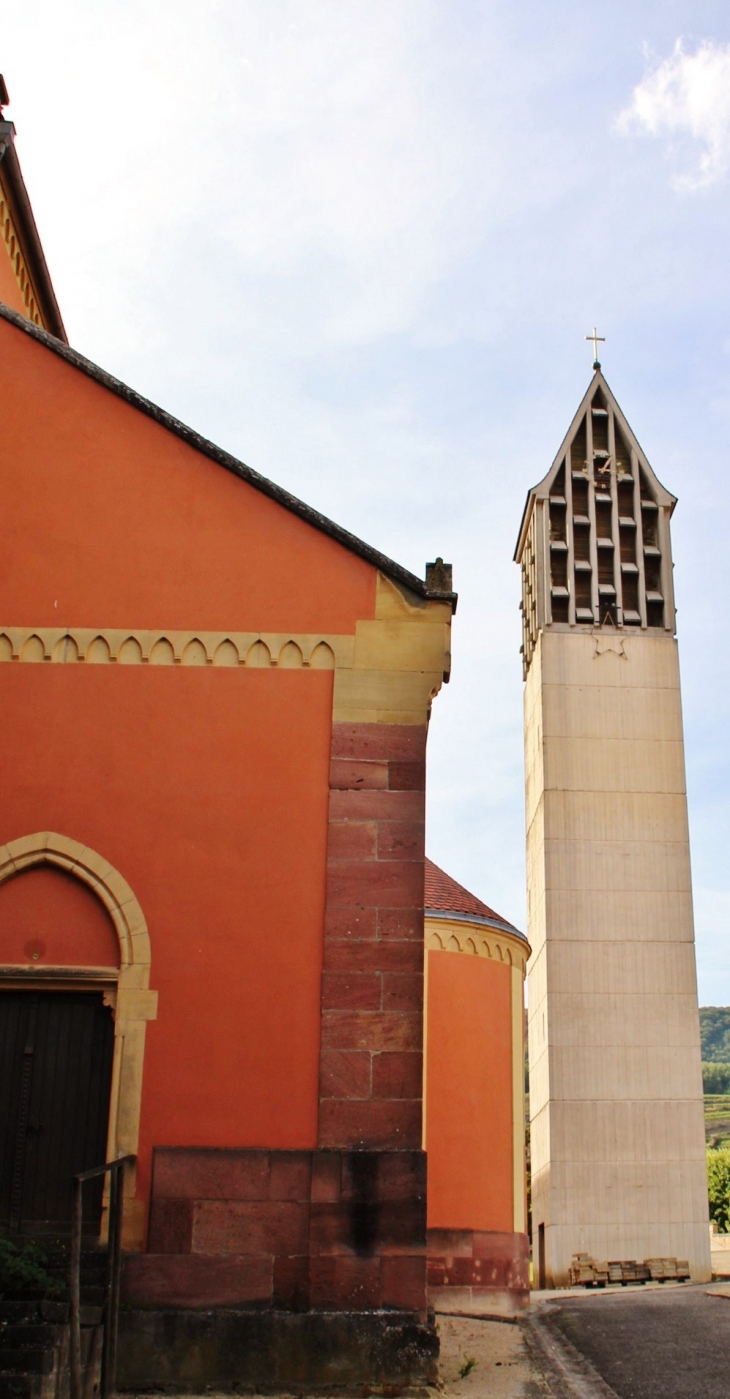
359, 244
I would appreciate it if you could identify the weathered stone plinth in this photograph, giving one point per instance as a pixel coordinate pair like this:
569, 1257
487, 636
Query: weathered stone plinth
274, 1352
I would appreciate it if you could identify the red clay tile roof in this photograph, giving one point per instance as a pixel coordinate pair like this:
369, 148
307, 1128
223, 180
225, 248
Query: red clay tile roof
443, 895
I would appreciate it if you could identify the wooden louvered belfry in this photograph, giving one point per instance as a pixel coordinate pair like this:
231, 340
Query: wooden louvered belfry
596, 531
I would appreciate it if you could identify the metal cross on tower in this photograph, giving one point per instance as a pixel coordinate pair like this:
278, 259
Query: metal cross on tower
595, 337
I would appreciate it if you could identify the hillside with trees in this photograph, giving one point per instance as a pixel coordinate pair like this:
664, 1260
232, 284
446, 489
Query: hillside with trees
715, 1034
715, 1040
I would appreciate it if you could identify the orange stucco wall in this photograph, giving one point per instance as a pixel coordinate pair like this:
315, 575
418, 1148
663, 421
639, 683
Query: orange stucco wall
48, 918
469, 1093
110, 520
207, 789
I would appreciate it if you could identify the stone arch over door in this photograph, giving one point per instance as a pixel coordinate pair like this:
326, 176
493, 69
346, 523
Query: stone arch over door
126, 988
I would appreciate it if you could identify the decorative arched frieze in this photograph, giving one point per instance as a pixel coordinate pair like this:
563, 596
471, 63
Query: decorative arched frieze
113, 646
19, 266
476, 940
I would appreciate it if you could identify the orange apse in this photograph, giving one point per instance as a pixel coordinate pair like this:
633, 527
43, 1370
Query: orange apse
474, 1102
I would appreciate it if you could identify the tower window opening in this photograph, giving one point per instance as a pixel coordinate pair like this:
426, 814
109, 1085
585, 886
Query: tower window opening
652, 573
580, 498
651, 536
579, 449
558, 487
557, 521
626, 499
630, 590
602, 472
627, 537
600, 432
603, 519
559, 569
623, 455
583, 599
605, 566
646, 491
581, 543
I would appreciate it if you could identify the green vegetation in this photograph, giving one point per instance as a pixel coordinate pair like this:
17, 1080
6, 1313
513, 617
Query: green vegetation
715, 1034
715, 1039
718, 1186
716, 1079
717, 1120
23, 1270
470, 1363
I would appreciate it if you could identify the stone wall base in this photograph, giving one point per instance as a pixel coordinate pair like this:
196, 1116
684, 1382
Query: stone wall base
274, 1352
289, 1230
481, 1273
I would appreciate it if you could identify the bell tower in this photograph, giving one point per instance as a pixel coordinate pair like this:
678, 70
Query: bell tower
616, 1107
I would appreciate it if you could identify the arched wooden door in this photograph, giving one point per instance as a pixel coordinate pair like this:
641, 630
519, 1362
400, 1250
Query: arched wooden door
56, 1051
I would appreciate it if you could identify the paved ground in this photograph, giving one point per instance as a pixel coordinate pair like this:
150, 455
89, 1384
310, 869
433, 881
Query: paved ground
664, 1343
503, 1365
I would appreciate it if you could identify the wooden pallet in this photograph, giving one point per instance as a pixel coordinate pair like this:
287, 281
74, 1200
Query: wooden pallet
585, 1271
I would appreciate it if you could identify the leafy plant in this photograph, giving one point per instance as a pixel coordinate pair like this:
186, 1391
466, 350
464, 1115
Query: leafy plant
23, 1269
716, 1079
715, 1034
470, 1363
718, 1186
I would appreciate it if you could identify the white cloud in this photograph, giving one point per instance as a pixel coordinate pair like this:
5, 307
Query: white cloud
687, 97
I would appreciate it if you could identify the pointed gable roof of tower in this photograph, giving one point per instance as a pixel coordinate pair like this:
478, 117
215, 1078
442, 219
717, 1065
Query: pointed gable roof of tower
594, 545
599, 385
444, 898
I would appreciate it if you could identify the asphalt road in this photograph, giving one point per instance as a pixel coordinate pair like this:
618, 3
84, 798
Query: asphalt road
668, 1343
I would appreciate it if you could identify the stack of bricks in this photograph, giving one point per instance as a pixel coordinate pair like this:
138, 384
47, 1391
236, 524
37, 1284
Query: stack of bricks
284, 1230
371, 1078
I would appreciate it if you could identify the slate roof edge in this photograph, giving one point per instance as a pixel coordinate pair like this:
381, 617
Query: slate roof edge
455, 916
389, 567
31, 245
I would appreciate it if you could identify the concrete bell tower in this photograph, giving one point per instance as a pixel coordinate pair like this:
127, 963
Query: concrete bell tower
616, 1109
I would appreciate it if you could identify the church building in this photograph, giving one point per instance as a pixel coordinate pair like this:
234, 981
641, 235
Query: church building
616, 1105
216, 705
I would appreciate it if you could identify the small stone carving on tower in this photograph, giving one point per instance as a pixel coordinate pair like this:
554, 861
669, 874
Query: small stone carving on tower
616, 1107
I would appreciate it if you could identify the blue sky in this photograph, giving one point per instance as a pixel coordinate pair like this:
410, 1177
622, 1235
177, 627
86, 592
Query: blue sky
359, 243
